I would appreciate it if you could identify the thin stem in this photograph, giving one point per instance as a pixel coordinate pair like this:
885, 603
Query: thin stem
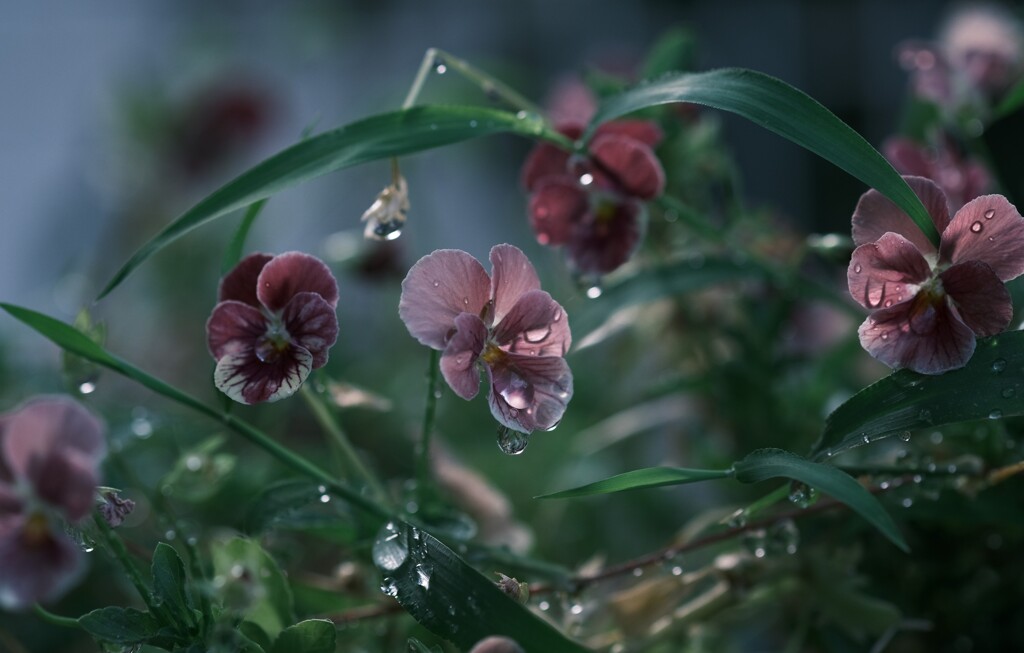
56, 619
120, 553
350, 457
421, 76
424, 477
491, 86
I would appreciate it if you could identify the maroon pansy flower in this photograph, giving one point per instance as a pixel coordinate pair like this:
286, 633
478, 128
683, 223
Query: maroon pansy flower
960, 178
274, 324
50, 450
592, 203
503, 322
928, 305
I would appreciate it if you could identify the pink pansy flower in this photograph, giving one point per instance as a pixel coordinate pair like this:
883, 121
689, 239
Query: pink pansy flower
928, 305
960, 178
274, 324
50, 450
592, 204
503, 322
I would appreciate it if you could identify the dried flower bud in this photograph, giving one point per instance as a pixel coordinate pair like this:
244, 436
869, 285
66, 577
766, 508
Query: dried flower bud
386, 216
512, 587
114, 508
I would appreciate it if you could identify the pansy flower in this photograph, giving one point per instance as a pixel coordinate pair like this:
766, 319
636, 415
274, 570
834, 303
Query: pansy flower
929, 304
960, 178
592, 203
503, 323
274, 324
50, 450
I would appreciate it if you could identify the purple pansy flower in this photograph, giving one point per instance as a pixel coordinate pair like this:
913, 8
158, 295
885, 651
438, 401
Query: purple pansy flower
505, 322
273, 325
928, 305
593, 204
50, 450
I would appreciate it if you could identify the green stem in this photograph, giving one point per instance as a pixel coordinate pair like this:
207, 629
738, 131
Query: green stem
350, 457
120, 553
56, 619
423, 475
491, 86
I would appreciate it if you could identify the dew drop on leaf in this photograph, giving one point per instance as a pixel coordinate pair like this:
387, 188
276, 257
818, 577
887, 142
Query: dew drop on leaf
391, 549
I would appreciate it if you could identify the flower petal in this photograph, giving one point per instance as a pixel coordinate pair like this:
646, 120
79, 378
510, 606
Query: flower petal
437, 289
291, 273
876, 215
645, 131
50, 425
458, 363
631, 165
241, 375
240, 284
10, 504
907, 157
555, 207
312, 324
536, 326
66, 479
530, 393
605, 238
880, 272
233, 326
39, 563
920, 335
512, 276
544, 160
987, 229
981, 298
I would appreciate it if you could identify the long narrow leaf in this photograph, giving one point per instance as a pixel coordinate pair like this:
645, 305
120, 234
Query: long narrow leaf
639, 479
764, 464
378, 137
783, 109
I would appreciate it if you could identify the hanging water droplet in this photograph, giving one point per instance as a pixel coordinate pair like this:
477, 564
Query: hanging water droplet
858, 268
594, 292
1008, 393
423, 572
638, 572
389, 587
391, 548
991, 213
905, 436
998, 365
784, 537
995, 414
391, 229
738, 519
439, 66
87, 388
801, 494
976, 227
512, 442
325, 498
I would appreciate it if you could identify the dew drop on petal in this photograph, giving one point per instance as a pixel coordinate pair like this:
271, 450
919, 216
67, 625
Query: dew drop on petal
535, 336
586, 179
512, 442
990, 214
436, 283
857, 269
976, 227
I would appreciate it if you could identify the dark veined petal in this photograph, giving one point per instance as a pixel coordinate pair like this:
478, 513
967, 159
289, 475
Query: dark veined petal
536, 326
288, 274
240, 284
981, 298
10, 503
241, 375
512, 276
438, 288
530, 393
924, 335
40, 563
544, 160
556, 205
312, 324
987, 229
458, 362
630, 164
886, 272
605, 238
876, 215
645, 131
233, 326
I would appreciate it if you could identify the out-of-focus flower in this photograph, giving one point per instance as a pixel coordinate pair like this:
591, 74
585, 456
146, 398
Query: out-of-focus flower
115, 508
496, 644
216, 124
274, 323
929, 304
386, 216
960, 178
592, 204
504, 322
51, 449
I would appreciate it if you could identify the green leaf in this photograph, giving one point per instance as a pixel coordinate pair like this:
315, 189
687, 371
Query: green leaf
783, 109
639, 479
254, 585
764, 464
233, 253
124, 626
296, 506
310, 636
170, 586
199, 472
377, 137
452, 599
673, 51
416, 646
990, 386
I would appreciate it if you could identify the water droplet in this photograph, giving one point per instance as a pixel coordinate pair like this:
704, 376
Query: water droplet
594, 292
925, 415
991, 213
784, 537
389, 586
677, 571
390, 229
237, 571
737, 519
436, 283
544, 606
170, 535
905, 436
801, 494
866, 439
885, 336
194, 463
512, 442
576, 609
535, 336
423, 572
998, 365
518, 394
858, 268
976, 227
888, 303
391, 549
142, 427
325, 498
586, 179
87, 388
321, 488
521, 115
638, 572
1008, 393
754, 541
906, 503
995, 414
